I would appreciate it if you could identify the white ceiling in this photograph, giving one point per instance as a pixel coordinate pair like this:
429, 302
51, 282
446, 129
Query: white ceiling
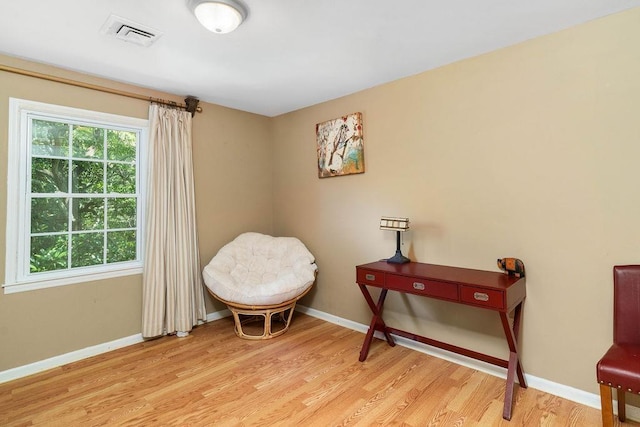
288, 54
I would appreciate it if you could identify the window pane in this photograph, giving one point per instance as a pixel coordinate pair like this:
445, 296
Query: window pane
121, 246
49, 138
49, 175
121, 145
121, 213
121, 178
49, 215
87, 249
48, 253
88, 214
88, 142
87, 177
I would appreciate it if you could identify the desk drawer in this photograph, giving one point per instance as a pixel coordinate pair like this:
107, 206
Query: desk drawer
370, 277
483, 297
419, 286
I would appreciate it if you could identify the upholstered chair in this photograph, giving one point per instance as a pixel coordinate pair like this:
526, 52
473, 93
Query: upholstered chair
619, 368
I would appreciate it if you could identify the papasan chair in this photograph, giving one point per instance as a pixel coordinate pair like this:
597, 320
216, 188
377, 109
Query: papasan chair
260, 278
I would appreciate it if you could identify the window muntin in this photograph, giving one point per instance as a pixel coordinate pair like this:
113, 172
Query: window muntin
79, 199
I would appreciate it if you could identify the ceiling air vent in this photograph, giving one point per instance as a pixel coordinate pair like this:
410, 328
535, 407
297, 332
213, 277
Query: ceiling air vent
130, 31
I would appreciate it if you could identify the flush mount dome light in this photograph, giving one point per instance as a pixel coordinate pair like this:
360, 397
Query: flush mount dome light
219, 16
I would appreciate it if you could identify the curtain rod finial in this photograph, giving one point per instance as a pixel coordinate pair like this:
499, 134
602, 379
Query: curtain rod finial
192, 105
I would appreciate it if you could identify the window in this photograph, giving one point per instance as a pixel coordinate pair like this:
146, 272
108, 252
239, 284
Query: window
74, 202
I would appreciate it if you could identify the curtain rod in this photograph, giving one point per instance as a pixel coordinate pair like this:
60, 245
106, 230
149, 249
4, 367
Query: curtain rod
191, 103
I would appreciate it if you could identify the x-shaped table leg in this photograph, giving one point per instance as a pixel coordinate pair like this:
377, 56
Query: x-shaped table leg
377, 324
514, 368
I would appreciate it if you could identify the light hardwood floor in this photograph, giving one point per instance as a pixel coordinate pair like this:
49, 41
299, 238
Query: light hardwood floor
309, 376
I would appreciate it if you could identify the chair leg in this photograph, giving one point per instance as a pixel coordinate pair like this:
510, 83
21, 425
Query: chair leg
622, 409
607, 405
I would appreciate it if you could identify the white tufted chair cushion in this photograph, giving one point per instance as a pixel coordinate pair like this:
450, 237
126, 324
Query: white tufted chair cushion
257, 269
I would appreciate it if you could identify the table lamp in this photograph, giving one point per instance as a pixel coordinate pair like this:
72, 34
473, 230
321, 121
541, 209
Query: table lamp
397, 225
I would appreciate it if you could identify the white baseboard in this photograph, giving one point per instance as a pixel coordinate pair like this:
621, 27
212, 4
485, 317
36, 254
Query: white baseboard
561, 390
218, 315
74, 356
63, 359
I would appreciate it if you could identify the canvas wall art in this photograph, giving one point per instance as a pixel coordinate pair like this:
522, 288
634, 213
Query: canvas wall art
340, 146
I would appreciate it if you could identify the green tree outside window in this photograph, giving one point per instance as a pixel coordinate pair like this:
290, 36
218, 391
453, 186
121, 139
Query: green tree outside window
84, 204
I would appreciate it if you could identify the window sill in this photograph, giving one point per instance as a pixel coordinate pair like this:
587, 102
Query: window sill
43, 283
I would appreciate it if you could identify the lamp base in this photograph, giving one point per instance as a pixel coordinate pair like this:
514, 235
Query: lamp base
398, 258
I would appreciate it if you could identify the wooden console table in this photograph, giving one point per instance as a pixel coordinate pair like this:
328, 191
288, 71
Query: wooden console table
483, 289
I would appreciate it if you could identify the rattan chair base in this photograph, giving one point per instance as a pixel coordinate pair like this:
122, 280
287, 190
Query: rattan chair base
266, 317
266, 314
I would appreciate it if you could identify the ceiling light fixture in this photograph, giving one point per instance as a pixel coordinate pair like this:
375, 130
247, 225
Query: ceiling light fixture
219, 16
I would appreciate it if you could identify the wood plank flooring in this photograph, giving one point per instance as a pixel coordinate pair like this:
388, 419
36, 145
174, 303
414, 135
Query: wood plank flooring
309, 376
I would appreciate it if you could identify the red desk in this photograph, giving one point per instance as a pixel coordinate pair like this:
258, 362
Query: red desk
483, 289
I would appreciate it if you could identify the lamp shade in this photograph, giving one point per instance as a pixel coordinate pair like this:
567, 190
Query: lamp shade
394, 223
219, 16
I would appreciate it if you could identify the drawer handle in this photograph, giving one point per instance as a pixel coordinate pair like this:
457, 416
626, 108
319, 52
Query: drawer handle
480, 296
418, 286
370, 276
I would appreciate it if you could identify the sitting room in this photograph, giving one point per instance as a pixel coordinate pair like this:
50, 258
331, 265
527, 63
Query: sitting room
452, 135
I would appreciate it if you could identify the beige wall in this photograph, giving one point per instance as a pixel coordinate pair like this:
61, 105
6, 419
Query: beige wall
530, 151
232, 195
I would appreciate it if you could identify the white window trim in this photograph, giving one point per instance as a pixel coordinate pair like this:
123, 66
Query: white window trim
16, 196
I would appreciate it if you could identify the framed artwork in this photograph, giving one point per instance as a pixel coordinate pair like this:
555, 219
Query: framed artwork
340, 146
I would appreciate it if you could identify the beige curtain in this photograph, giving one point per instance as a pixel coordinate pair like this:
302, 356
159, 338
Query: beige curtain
173, 296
